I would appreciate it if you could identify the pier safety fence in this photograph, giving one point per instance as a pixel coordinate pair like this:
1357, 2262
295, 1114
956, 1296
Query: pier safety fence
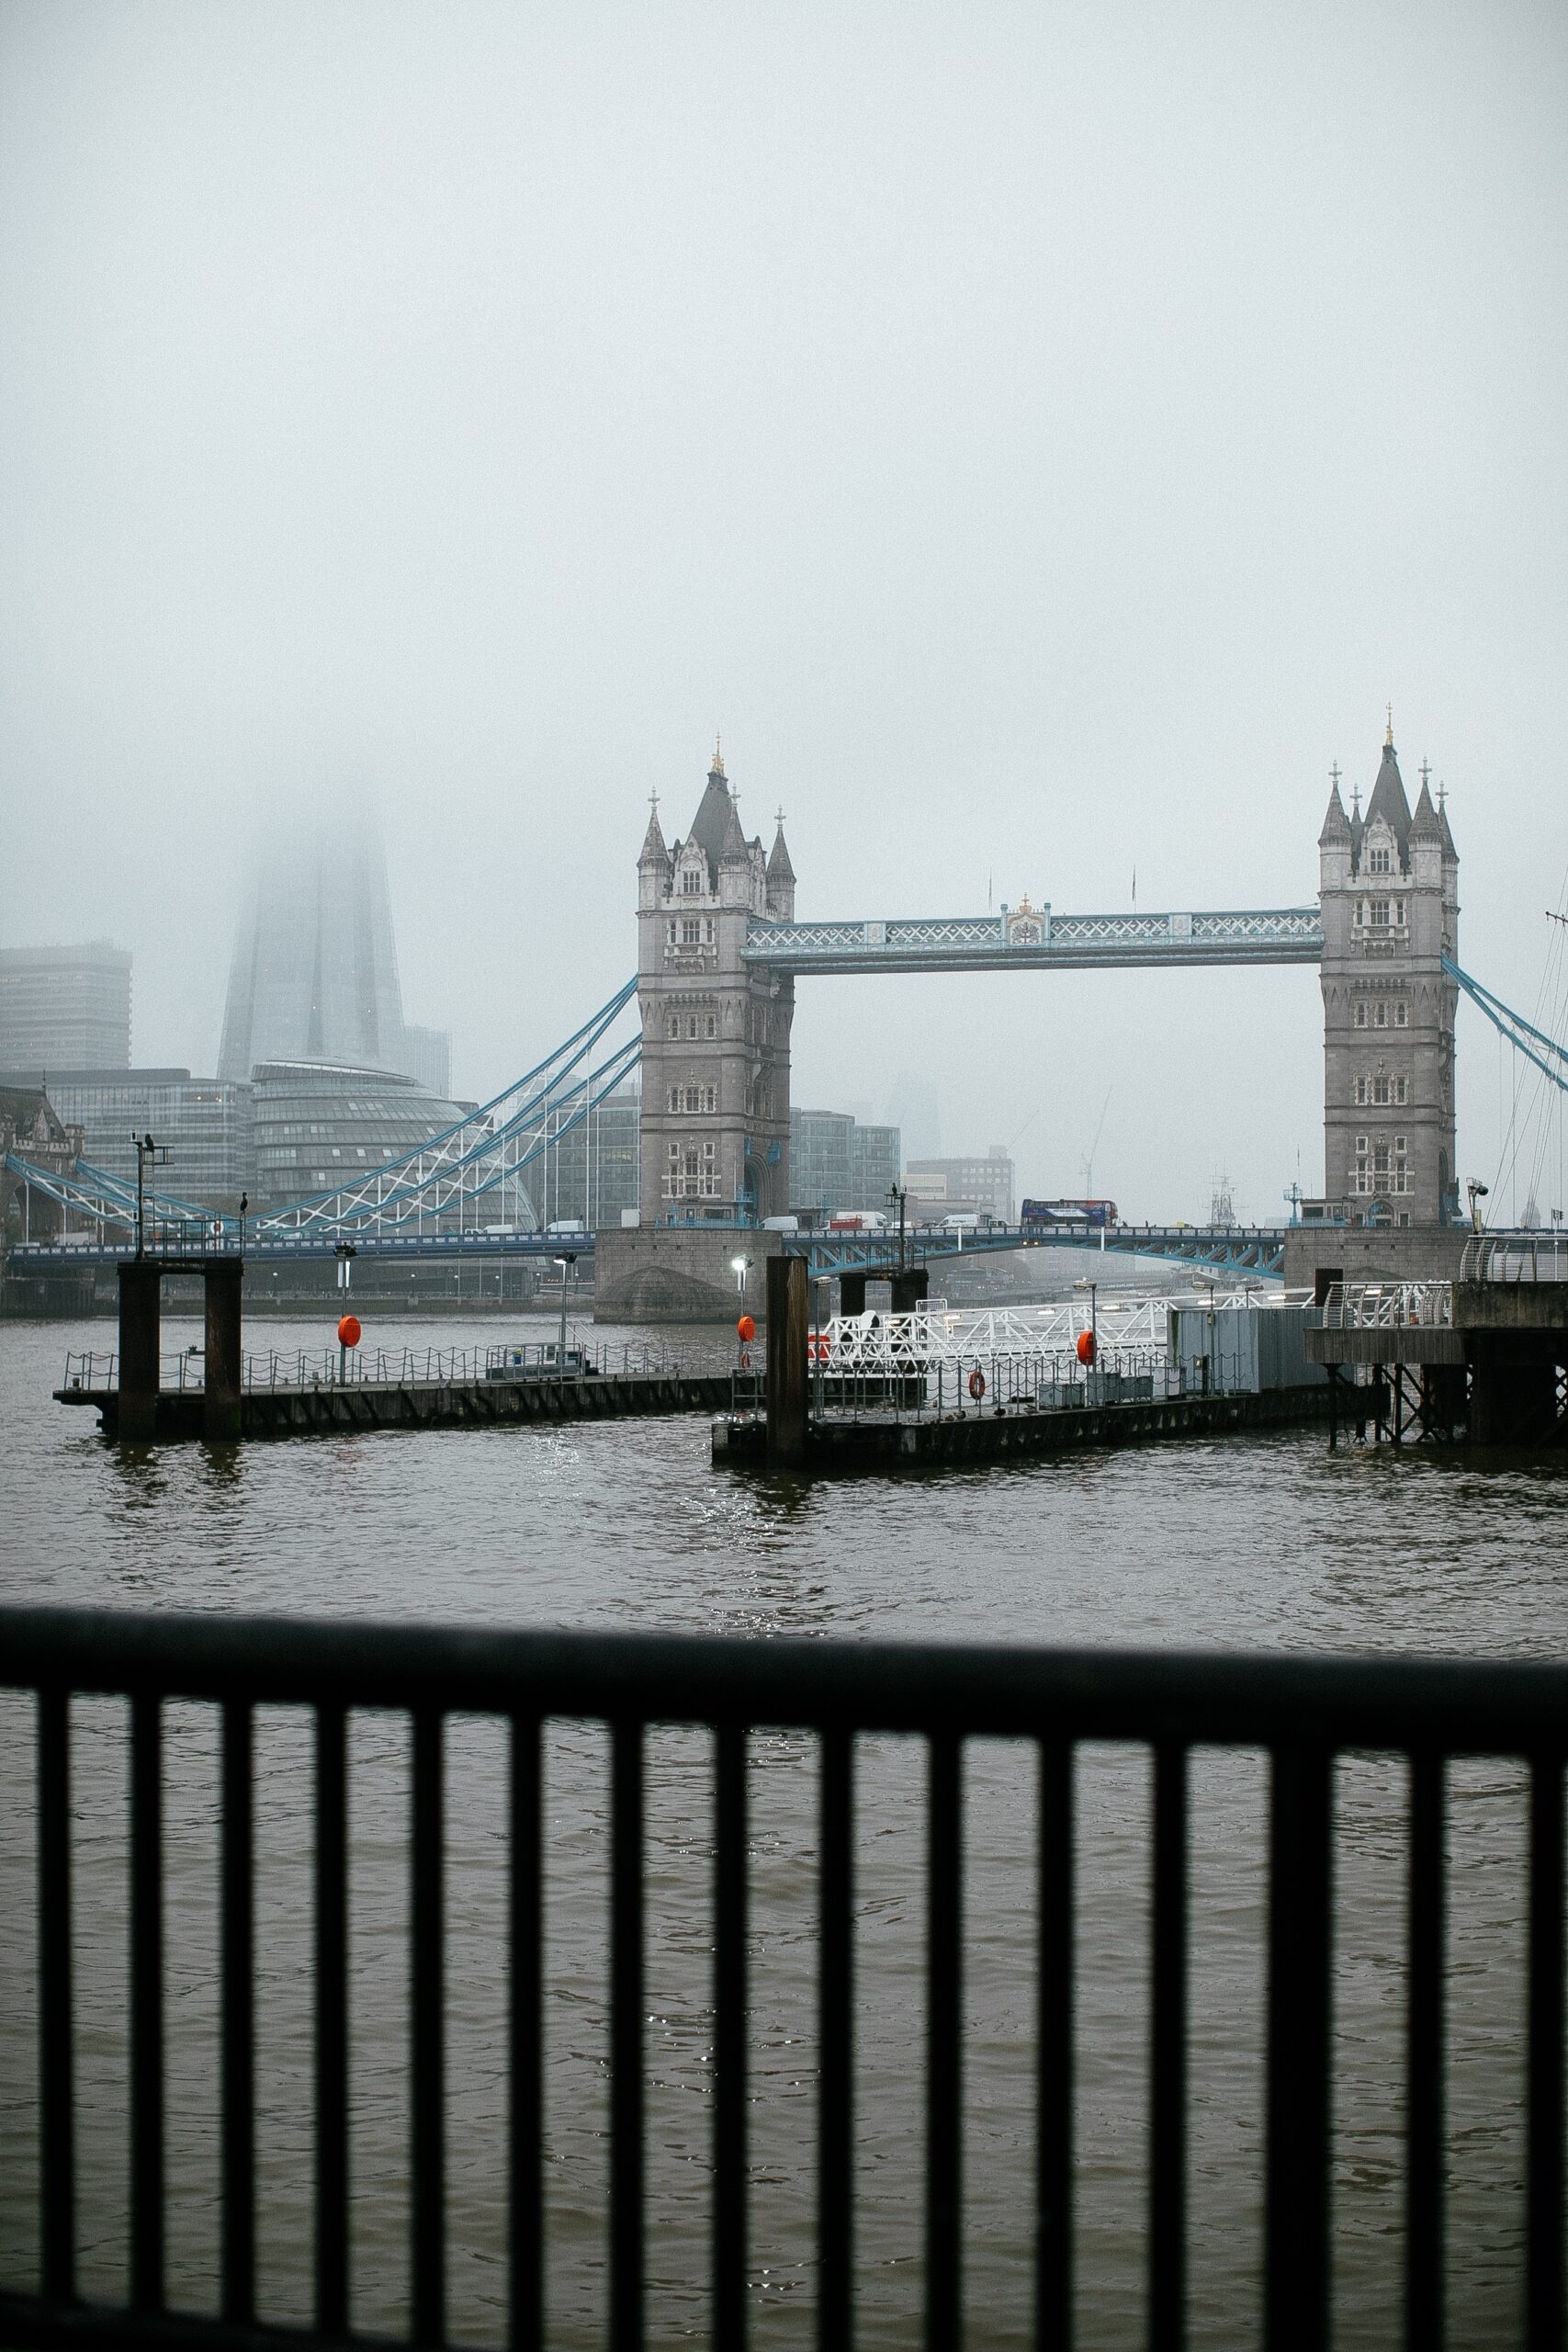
361, 1367
1301, 1711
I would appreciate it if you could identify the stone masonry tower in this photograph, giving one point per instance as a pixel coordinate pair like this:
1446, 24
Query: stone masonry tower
1390, 898
715, 1129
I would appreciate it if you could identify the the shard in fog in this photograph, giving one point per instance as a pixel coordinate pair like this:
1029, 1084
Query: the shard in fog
315, 971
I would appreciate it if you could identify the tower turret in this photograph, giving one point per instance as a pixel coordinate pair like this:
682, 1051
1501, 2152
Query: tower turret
715, 1025
1389, 899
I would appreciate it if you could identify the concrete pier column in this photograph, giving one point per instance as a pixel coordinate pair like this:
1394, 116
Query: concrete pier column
909, 1289
140, 1302
851, 1294
223, 1278
787, 1332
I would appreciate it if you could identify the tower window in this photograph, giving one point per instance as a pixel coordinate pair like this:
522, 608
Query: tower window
1401, 1014
691, 932
1380, 1017
1360, 1012
1377, 913
1399, 910
691, 882
1380, 862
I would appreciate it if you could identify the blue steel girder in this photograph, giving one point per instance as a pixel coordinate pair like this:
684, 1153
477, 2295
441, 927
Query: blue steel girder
304, 1248
1258, 1249
1033, 939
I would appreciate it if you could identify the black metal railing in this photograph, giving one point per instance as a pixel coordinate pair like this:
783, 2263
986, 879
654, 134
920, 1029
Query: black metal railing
1302, 1713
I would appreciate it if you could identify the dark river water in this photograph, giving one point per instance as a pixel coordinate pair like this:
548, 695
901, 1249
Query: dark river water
1255, 1542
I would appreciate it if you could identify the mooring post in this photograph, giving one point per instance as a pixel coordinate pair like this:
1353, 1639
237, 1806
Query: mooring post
787, 1330
141, 1281
851, 1294
222, 1281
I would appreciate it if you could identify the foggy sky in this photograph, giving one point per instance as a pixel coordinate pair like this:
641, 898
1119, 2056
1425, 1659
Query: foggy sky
1041, 440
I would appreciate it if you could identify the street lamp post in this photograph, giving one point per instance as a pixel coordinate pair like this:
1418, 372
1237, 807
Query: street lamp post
899, 1192
147, 1152
563, 1262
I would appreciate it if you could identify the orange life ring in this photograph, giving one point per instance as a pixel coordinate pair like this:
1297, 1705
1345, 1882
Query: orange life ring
977, 1384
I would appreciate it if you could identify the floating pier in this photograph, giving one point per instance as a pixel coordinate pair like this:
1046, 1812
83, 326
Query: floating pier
911, 1440
396, 1404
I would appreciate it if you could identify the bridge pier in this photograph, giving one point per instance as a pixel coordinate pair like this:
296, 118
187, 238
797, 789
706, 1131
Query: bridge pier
909, 1289
141, 1332
851, 1294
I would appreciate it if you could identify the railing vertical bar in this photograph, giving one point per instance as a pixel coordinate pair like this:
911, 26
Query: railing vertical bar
835, 2184
527, 2283
1543, 2196
1424, 2060
428, 2030
945, 2171
1167, 2154
1296, 2188
332, 2022
56, 2086
237, 2020
147, 2003
730, 2042
1053, 2057
626, 2256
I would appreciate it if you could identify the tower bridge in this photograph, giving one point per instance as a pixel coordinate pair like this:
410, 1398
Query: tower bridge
719, 952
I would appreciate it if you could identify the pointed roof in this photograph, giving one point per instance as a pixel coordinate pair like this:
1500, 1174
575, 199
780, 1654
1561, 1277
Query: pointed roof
1425, 825
1449, 850
1336, 824
779, 867
716, 814
1388, 800
734, 844
654, 849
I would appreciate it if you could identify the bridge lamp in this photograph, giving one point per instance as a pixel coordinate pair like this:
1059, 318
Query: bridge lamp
1477, 1192
741, 1268
565, 1264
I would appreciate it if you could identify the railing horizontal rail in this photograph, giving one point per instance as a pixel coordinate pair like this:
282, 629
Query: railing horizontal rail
1460, 1706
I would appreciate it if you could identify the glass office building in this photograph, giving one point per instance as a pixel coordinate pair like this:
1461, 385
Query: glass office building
835, 1164
204, 1122
316, 1127
589, 1171
65, 1008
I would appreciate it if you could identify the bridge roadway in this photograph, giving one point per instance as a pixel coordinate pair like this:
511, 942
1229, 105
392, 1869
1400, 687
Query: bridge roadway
1025, 938
1257, 1249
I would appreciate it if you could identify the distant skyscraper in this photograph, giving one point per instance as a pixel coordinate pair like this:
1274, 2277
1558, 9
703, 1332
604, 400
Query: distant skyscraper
65, 1008
315, 971
429, 1056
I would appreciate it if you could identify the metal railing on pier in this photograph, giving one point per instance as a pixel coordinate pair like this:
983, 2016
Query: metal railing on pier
283, 1368
975, 1385
1302, 1713
1515, 1257
1384, 1306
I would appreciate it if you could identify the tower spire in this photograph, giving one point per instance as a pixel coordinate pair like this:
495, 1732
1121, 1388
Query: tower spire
1388, 731
718, 767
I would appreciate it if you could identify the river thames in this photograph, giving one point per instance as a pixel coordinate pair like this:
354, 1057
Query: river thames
1256, 1543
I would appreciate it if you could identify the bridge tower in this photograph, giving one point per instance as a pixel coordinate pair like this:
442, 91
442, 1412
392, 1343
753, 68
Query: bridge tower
1388, 889
715, 1126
